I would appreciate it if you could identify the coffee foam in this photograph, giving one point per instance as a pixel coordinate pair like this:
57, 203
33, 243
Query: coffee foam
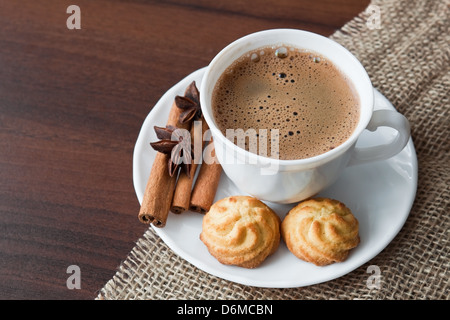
302, 94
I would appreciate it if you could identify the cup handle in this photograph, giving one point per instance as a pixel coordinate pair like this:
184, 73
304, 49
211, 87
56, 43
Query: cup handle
383, 118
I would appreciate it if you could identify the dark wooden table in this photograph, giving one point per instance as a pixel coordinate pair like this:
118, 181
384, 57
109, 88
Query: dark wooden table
71, 106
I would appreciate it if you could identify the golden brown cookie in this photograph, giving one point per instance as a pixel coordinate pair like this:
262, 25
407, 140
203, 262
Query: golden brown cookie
241, 231
321, 231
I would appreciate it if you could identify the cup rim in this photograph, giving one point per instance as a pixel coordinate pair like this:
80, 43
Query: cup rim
264, 160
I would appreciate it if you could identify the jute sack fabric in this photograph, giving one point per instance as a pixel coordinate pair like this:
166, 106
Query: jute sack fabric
408, 61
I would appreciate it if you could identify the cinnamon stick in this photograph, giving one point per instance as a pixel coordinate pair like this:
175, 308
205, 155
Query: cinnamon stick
206, 185
183, 189
160, 187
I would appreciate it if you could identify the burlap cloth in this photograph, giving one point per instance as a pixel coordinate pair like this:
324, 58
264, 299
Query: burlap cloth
408, 61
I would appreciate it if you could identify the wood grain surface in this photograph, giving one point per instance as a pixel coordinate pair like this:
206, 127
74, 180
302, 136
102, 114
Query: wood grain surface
71, 106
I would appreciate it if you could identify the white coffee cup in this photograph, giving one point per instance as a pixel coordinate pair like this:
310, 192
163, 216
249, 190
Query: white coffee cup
289, 181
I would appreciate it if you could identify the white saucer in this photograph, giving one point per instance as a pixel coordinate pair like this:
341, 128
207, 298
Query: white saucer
380, 195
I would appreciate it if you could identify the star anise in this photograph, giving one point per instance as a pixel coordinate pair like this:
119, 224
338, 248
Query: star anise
190, 104
176, 143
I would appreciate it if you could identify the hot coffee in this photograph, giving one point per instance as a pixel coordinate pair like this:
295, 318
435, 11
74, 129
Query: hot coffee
300, 93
